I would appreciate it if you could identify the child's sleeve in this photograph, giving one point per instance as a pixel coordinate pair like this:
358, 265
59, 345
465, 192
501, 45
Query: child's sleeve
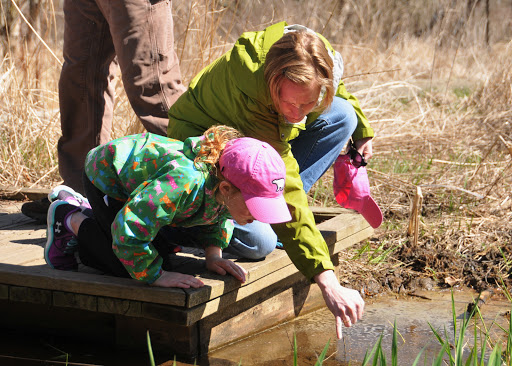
218, 234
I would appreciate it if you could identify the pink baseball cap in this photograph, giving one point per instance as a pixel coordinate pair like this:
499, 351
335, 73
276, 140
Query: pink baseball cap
257, 170
352, 190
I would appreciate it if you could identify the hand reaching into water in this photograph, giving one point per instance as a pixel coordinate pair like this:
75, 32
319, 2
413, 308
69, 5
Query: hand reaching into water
346, 304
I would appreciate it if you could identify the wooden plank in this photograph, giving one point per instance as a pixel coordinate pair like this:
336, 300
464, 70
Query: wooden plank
168, 337
4, 292
16, 220
119, 306
22, 237
227, 299
219, 285
283, 301
339, 232
31, 295
75, 301
20, 254
325, 213
343, 225
219, 304
16, 193
354, 238
44, 277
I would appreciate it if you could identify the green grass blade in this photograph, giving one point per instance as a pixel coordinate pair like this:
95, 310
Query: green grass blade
417, 359
439, 359
472, 359
150, 350
454, 315
394, 347
382, 357
495, 357
368, 356
295, 362
321, 358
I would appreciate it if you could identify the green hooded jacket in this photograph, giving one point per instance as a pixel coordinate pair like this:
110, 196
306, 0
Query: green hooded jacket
232, 91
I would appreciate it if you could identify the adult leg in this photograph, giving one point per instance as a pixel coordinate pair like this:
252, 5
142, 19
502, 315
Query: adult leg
143, 37
252, 241
319, 145
86, 93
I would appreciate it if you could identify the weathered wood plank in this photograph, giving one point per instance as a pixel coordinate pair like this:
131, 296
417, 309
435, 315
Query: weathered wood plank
44, 277
20, 254
15, 193
29, 294
343, 225
75, 301
120, 306
219, 285
16, 220
282, 301
340, 232
4, 292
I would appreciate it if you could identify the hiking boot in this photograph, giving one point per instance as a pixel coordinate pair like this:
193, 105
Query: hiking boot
36, 210
61, 244
68, 194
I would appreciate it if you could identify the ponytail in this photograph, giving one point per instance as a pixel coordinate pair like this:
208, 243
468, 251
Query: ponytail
214, 140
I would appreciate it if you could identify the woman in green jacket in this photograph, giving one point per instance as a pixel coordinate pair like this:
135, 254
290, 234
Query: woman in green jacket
283, 85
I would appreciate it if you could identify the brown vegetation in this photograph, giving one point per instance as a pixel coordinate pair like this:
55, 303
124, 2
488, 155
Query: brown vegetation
433, 77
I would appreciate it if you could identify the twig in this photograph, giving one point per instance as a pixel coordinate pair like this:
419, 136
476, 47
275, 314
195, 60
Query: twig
330, 16
44, 176
370, 73
446, 186
413, 229
48, 361
464, 164
507, 144
35, 32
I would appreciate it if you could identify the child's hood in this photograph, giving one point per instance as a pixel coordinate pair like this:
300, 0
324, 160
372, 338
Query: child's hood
192, 146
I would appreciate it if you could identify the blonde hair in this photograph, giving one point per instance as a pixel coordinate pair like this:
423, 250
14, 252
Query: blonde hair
302, 58
214, 140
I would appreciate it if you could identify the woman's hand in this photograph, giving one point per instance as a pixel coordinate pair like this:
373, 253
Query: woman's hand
346, 304
365, 147
176, 279
217, 264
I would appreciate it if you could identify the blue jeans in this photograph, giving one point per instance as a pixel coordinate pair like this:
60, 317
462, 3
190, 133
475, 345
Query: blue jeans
315, 150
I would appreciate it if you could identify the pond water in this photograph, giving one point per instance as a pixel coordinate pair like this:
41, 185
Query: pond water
275, 346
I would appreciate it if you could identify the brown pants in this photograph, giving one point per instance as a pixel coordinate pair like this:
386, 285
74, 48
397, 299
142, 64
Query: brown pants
100, 36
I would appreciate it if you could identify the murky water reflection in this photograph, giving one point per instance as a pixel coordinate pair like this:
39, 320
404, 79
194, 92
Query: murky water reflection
412, 315
313, 332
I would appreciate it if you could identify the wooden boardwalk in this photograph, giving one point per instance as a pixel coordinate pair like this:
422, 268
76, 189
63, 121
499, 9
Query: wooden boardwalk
186, 322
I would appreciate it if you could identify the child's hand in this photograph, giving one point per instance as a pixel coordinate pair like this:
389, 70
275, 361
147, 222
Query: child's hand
222, 266
176, 279
217, 264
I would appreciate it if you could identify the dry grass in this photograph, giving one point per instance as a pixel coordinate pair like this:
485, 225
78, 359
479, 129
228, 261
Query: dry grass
434, 79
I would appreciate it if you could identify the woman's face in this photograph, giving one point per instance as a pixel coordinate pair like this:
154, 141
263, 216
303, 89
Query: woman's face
236, 206
297, 100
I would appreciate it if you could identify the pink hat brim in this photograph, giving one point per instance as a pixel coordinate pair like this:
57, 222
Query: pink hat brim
371, 212
270, 210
